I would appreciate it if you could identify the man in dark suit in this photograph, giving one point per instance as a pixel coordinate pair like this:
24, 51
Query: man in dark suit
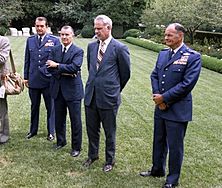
37, 51
173, 78
65, 63
109, 71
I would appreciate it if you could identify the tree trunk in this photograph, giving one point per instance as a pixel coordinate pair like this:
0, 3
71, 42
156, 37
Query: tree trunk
191, 37
190, 32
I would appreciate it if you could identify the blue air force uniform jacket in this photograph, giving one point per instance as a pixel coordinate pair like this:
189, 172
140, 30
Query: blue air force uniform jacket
36, 56
174, 79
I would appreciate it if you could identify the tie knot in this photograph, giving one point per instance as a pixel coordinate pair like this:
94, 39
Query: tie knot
102, 44
64, 50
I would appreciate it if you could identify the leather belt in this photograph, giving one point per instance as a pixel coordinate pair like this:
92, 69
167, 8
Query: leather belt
71, 75
67, 74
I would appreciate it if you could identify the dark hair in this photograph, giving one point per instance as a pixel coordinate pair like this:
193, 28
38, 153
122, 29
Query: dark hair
42, 19
68, 27
179, 27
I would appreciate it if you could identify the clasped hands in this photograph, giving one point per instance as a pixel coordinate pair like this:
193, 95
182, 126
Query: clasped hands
158, 99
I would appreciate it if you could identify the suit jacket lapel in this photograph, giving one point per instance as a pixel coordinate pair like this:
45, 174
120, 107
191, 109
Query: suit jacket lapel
107, 53
95, 53
68, 54
36, 40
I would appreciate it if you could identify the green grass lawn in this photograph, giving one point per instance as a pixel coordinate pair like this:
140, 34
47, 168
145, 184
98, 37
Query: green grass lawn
34, 163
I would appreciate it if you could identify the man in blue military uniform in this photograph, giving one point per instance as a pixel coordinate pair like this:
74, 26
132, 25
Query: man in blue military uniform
173, 78
37, 51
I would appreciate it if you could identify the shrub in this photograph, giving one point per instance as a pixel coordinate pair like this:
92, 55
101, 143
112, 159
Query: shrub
153, 32
148, 44
117, 31
212, 63
3, 30
208, 62
132, 33
78, 32
87, 31
211, 50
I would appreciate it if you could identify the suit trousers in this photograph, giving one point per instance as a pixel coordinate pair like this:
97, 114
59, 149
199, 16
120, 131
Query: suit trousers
168, 135
95, 116
4, 121
74, 108
35, 96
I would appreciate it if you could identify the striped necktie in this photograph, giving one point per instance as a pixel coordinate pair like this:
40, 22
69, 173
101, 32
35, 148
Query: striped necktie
100, 54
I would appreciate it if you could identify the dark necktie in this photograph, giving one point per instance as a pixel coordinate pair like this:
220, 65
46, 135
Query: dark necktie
100, 54
40, 41
63, 53
171, 53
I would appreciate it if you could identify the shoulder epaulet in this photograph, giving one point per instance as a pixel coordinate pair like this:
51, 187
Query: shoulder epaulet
186, 53
189, 50
165, 49
53, 36
31, 36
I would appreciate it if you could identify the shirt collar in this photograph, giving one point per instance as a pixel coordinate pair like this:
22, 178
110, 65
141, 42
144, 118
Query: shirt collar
67, 47
176, 50
42, 36
107, 41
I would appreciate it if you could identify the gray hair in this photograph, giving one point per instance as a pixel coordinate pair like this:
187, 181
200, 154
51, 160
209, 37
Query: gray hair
105, 19
179, 27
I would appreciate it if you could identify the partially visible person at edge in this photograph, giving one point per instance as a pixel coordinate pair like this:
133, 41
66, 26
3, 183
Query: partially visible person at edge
4, 119
65, 63
109, 71
37, 51
173, 78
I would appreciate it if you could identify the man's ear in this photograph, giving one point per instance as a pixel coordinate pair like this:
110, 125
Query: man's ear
181, 34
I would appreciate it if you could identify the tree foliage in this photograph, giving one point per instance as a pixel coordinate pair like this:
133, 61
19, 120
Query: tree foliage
76, 13
191, 15
125, 12
35, 8
70, 12
10, 10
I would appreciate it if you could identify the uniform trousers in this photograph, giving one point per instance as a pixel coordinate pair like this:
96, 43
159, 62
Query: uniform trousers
35, 96
168, 136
